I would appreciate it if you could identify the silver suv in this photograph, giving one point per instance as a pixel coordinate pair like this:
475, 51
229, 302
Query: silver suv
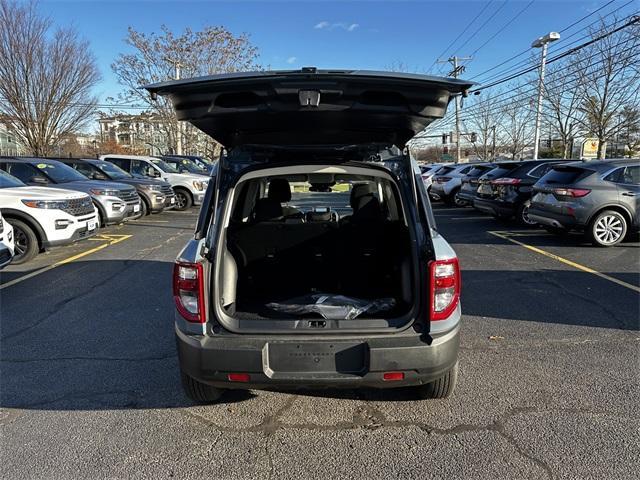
344, 281
116, 202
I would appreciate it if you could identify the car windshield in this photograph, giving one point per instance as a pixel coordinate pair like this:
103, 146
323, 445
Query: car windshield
8, 181
114, 171
59, 172
164, 166
184, 164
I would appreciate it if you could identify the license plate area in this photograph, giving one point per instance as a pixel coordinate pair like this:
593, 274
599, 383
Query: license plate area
326, 358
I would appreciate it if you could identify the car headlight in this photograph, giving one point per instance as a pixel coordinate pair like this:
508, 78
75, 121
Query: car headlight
50, 204
200, 185
153, 188
104, 191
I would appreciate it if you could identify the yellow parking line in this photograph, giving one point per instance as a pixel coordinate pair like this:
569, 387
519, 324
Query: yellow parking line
565, 261
111, 240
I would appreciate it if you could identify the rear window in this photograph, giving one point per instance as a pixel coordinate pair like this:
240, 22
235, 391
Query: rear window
529, 170
563, 175
501, 170
445, 170
479, 170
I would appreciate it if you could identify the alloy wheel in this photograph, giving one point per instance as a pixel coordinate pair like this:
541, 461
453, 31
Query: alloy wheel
524, 215
181, 200
608, 229
459, 202
21, 243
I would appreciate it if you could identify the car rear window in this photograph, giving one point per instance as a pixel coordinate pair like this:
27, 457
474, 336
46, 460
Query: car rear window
501, 170
479, 170
563, 175
445, 170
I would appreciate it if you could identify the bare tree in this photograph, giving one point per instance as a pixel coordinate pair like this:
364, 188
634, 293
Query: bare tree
46, 77
563, 96
610, 81
516, 128
161, 57
630, 129
483, 118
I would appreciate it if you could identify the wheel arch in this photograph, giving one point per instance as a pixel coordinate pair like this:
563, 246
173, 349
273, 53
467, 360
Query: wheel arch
616, 208
41, 235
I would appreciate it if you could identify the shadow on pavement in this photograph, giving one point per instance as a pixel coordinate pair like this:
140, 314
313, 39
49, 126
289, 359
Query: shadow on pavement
98, 335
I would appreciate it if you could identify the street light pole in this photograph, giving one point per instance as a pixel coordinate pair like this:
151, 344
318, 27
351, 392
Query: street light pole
544, 43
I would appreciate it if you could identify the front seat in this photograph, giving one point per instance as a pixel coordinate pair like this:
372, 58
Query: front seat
364, 203
280, 191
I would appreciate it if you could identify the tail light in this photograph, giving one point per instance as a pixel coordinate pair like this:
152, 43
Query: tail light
571, 192
443, 179
188, 291
445, 288
506, 181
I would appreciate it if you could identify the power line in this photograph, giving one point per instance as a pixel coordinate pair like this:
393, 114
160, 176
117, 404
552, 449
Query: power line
460, 35
500, 30
527, 61
482, 26
635, 19
508, 60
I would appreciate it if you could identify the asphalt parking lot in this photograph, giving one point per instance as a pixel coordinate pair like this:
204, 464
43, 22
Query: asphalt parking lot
549, 380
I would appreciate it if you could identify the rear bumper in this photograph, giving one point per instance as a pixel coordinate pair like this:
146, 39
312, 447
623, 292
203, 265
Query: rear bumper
355, 363
494, 207
551, 219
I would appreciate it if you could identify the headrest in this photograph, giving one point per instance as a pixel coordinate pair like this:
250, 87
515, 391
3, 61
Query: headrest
268, 209
279, 190
367, 208
360, 190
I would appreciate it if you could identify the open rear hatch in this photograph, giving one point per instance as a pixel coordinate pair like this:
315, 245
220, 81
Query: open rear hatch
310, 106
317, 123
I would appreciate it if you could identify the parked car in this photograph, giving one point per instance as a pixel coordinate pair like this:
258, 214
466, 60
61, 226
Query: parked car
512, 191
155, 195
427, 172
43, 217
600, 198
485, 189
469, 182
116, 202
250, 253
447, 182
201, 162
184, 164
188, 188
7, 245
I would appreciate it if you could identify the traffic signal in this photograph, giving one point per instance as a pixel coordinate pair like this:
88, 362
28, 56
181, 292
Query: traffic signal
444, 138
474, 137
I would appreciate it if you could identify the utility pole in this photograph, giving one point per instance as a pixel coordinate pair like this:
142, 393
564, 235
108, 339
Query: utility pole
457, 70
493, 144
544, 43
179, 139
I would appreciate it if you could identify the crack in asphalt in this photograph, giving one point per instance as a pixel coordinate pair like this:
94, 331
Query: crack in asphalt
368, 416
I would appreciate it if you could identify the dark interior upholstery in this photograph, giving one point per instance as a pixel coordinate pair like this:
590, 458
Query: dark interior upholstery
277, 260
280, 191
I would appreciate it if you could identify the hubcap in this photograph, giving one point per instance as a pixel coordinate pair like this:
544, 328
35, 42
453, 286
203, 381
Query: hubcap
458, 201
21, 242
609, 229
525, 215
180, 200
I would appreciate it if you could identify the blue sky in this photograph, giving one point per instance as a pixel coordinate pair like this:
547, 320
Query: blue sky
338, 34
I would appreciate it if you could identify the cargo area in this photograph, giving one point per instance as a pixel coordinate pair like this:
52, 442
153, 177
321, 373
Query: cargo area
321, 237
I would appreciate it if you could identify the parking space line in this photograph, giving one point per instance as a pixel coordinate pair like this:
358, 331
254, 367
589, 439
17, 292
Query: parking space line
111, 240
506, 236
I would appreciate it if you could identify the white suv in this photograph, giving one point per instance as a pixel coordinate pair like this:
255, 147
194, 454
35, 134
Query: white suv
189, 188
43, 217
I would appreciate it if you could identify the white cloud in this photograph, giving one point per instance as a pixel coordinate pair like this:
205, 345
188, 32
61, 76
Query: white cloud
292, 60
348, 27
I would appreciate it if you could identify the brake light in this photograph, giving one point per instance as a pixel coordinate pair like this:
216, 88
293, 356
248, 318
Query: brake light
445, 288
571, 192
506, 181
188, 291
443, 179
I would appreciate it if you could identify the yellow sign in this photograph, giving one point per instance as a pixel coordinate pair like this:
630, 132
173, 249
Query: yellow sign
590, 148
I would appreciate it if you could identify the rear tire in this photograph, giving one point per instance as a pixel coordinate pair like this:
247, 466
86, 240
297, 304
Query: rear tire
200, 392
450, 199
441, 387
183, 199
607, 229
523, 215
26, 242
